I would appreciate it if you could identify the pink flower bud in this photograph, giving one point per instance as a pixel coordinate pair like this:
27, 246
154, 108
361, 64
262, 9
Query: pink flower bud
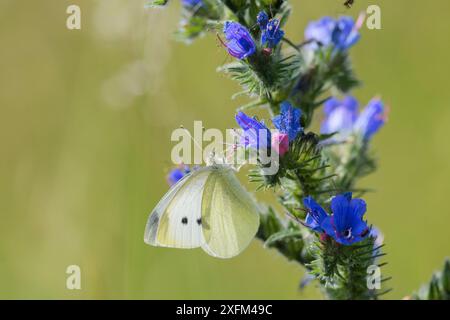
267, 51
280, 143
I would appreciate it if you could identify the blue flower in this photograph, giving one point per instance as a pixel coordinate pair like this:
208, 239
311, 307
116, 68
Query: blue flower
321, 31
262, 19
315, 214
240, 43
288, 121
256, 134
345, 33
340, 33
177, 174
371, 119
272, 34
341, 117
192, 3
346, 225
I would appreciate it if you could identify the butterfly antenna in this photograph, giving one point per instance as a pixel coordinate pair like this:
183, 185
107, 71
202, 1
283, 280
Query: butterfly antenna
192, 138
294, 218
229, 155
231, 147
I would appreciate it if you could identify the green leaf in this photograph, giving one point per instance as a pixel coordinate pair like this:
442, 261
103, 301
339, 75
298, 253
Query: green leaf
263, 76
253, 104
282, 235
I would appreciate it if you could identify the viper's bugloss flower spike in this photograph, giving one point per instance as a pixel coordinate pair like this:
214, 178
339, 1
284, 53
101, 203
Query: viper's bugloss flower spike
240, 43
256, 134
177, 174
341, 117
307, 169
346, 225
271, 35
288, 121
341, 33
315, 214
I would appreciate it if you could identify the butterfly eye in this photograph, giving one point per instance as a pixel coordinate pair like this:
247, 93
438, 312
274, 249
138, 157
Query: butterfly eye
347, 233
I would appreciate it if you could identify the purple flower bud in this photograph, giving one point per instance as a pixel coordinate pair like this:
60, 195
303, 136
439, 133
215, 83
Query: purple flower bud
272, 34
262, 19
256, 134
288, 121
240, 43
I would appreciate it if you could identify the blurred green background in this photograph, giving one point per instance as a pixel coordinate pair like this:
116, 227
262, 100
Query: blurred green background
85, 123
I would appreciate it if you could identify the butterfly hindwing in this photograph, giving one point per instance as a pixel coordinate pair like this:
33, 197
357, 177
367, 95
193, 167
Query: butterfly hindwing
229, 213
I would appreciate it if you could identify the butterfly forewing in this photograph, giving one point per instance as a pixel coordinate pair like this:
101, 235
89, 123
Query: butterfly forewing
176, 221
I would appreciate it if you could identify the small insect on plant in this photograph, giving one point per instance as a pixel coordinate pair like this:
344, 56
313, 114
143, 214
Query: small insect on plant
349, 3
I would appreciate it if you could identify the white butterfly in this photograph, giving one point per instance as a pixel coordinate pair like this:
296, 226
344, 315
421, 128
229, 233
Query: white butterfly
207, 208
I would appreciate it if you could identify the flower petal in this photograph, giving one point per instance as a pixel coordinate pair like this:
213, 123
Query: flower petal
288, 121
340, 206
328, 227
371, 119
316, 214
358, 206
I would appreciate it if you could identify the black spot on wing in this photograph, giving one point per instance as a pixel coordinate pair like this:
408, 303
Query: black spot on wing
184, 220
199, 221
